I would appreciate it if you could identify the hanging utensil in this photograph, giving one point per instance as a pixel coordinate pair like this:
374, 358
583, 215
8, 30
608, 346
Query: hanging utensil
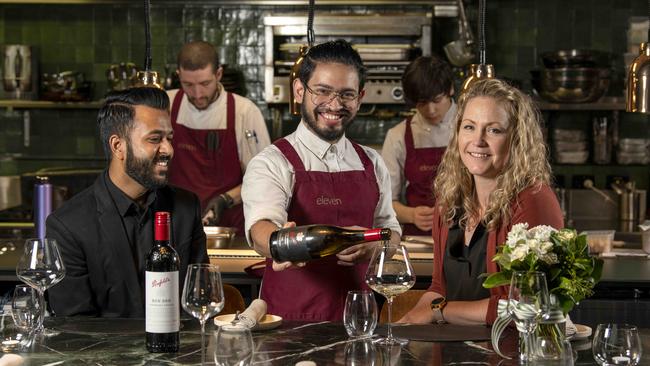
293, 103
461, 51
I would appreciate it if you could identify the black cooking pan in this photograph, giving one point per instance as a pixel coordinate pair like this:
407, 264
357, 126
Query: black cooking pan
576, 58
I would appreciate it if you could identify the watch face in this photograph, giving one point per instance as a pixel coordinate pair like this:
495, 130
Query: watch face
435, 303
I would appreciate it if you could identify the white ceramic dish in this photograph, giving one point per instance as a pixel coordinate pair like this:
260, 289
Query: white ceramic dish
582, 332
269, 321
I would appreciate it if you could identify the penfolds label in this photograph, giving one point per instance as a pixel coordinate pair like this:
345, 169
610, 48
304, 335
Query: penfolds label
162, 311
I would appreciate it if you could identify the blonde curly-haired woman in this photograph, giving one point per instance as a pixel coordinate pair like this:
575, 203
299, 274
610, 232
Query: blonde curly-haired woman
494, 174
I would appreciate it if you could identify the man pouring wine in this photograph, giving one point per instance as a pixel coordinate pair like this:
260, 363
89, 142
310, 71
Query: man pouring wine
318, 176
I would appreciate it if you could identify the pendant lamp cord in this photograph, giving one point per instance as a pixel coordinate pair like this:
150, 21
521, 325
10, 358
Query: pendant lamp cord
147, 35
648, 40
481, 31
310, 24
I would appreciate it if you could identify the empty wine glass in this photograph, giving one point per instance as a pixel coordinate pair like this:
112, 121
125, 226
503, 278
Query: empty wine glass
26, 308
528, 302
617, 344
360, 313
41, 267
233, 346
390, 273
203, 295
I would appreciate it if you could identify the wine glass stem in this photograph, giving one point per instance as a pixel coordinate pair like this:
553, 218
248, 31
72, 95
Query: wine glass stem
202, 341
41, 300
389, 332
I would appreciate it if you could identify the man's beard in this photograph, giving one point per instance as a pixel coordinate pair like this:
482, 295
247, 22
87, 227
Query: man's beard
142, 170
208, 100
326, 133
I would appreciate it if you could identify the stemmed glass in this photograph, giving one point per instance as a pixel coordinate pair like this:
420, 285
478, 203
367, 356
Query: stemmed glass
528, 303
390, 273
233, 345
41, 267
617, 344
203, 295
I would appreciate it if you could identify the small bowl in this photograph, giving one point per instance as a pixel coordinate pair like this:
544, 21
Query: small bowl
219, 237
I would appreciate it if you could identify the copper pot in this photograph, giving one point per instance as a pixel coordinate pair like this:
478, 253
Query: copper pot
219, 237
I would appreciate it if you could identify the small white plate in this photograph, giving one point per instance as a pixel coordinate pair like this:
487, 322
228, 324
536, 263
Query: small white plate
583, 332
269, 321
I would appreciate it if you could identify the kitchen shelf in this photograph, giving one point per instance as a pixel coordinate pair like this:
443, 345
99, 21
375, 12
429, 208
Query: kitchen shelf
604, 104
43, 104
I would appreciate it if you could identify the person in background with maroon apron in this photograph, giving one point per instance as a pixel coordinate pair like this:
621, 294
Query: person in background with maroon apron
216, 133
317, 176
413, 149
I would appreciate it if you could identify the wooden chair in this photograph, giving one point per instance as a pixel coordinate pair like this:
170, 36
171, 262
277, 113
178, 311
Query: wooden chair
401, 305
234, 300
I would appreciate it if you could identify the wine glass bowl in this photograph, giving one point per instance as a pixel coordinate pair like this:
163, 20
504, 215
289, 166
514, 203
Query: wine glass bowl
360, 313
617, 344
203, 295
233, 345
41, 267
390, 273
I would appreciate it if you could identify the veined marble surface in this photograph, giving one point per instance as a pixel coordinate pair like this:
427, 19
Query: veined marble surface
95, 341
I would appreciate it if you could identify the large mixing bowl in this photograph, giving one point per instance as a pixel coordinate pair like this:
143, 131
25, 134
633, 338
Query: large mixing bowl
572, 85
576, 59
219, 237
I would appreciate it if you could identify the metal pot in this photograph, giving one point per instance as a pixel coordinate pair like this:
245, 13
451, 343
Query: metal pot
572, 85
219, 237
575, 58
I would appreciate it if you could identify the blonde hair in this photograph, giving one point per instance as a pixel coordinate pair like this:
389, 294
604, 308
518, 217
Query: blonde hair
527, 164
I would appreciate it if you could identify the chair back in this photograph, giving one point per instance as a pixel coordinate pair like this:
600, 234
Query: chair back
234, 300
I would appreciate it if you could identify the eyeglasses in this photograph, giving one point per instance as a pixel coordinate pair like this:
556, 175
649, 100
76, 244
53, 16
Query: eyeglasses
321, 96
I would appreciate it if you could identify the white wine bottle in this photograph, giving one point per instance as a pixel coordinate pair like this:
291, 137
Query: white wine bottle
304, 243
162, 311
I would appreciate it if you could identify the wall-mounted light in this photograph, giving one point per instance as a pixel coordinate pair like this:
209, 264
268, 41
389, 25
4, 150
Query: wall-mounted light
481, 70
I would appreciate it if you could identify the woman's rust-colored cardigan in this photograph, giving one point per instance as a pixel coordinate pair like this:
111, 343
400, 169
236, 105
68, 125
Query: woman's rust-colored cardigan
536, 205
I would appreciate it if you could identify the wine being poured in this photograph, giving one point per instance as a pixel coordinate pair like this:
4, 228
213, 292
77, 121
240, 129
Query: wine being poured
390, 273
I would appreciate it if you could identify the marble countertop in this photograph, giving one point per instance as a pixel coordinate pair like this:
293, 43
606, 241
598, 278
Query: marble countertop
95, 341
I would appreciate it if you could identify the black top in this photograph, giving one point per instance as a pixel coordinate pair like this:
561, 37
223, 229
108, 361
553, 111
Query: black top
137, 222
463, 264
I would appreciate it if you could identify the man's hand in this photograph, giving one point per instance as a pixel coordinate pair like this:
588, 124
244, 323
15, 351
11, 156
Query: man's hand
355, 254
423, 217
215, 207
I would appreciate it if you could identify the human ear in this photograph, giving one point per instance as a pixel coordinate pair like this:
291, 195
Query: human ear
118, 147
298, 90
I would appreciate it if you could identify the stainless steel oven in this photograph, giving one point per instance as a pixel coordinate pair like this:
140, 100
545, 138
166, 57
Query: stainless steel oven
386, 43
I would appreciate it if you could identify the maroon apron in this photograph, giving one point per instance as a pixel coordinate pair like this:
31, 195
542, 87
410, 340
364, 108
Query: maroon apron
420, 168
204, 171
317, 291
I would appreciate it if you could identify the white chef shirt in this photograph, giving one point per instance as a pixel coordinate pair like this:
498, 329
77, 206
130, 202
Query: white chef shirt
424, 135
250, 129
270, 178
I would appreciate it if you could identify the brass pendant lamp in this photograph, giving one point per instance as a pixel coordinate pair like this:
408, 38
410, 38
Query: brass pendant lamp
147, 77
294, 106
481, 70
638, 79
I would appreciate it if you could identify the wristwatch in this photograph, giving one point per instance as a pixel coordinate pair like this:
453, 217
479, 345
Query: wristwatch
437, 305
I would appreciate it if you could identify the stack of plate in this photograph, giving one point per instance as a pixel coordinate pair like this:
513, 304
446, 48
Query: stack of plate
632, 151
570, 146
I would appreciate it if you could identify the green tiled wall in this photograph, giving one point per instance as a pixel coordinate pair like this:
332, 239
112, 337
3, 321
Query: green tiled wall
89, 38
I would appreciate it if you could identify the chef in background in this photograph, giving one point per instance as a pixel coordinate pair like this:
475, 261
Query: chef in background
216, 133
413, 149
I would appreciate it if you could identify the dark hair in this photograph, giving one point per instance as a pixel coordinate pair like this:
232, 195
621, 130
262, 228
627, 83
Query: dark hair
197, 55
339, 51
117, 114
426, 78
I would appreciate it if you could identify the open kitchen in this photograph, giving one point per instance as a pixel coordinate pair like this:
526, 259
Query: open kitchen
583, 65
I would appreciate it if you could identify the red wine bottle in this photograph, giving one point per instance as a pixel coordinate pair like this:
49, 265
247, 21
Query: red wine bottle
304, 243
162, 311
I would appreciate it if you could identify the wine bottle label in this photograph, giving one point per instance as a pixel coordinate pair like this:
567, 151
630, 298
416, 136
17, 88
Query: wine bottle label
291, 246
162, 312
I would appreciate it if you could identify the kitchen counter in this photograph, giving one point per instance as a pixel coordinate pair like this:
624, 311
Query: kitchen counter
96, 341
